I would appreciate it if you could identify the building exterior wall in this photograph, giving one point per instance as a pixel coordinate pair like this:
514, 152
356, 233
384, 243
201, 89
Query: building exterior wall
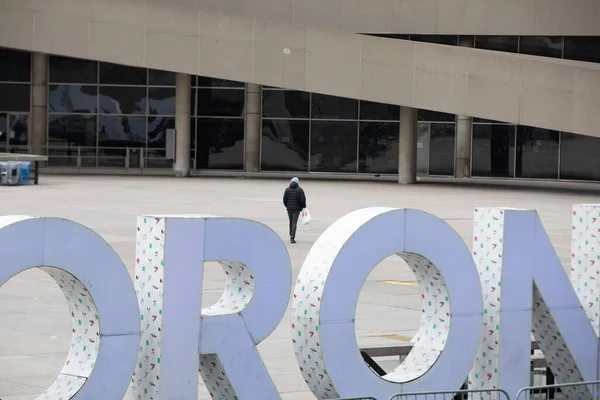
107, 115
527, 90
475, 17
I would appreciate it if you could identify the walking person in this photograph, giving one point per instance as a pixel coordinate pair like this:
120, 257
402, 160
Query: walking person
294, 201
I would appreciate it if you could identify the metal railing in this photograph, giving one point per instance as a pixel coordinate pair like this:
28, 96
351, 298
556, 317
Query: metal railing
576, 391
475, 394
81, 157
357, 398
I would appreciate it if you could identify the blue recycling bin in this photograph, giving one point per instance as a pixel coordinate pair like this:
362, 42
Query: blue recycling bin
25, 177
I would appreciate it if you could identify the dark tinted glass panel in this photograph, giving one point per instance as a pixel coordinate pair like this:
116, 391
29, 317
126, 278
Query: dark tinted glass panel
537, 153
73, 70
221, 102
487, 121
161, 101
441, 149
161, 78
508, 44
113, 74
204, 81
332, 107
15, 66
220, 143
378, 147
72, 98
451, 40
583, 48
579, 157
72, 130
493, 150
378, 111
286, 104
157, 131
390, 35
121, 131
14, 97
544, 46
284, 145
333, 146
426, 115
16, 134
423, 149
122, 100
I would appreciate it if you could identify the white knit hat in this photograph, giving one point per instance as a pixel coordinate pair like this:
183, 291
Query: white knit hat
294, 179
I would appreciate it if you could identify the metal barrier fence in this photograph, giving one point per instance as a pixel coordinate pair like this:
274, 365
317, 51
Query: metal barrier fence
357, 398
476, 394
577, 391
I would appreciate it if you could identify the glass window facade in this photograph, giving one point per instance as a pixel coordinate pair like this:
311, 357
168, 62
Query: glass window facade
493, 150
15, 100
99, 110
110, 113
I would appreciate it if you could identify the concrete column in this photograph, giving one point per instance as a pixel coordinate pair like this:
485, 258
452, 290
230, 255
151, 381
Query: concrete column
38, 123
183, 98
464, 126
407, 165
252, 128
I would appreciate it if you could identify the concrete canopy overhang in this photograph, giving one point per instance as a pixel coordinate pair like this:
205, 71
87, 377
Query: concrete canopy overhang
176, 36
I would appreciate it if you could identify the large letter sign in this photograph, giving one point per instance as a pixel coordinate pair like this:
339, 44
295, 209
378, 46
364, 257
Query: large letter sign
526, 290
479, 308
170, 252
329, 284
97, 287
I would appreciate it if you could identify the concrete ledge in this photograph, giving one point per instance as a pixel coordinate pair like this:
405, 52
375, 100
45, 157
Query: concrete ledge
504, 183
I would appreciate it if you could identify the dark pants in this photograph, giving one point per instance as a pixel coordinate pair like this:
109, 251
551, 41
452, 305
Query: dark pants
293, 217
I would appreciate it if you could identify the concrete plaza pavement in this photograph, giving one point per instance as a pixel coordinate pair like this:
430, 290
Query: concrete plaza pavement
34, 319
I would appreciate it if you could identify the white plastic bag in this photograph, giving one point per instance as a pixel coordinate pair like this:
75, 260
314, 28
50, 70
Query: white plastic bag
305, 217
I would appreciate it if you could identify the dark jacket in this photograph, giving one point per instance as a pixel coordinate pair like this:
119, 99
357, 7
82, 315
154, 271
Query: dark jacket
294, 198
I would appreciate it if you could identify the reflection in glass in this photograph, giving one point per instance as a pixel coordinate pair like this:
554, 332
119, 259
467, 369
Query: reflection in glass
15, 66
161, 101
70, 135
509, 44
122, 100
284, 145
451, 40
431, 116
220, 143
204, 81
157, 130
72, 70
493, 151
221, 102
332, 107
372, 111
161, 78
579, 157
120, 131
285, 104
537, 153
583, 48
378, 147
441, 149
543, 46
423, 149
333, 146
17, 133
72, 99
114, 74
71, 130
14, 97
